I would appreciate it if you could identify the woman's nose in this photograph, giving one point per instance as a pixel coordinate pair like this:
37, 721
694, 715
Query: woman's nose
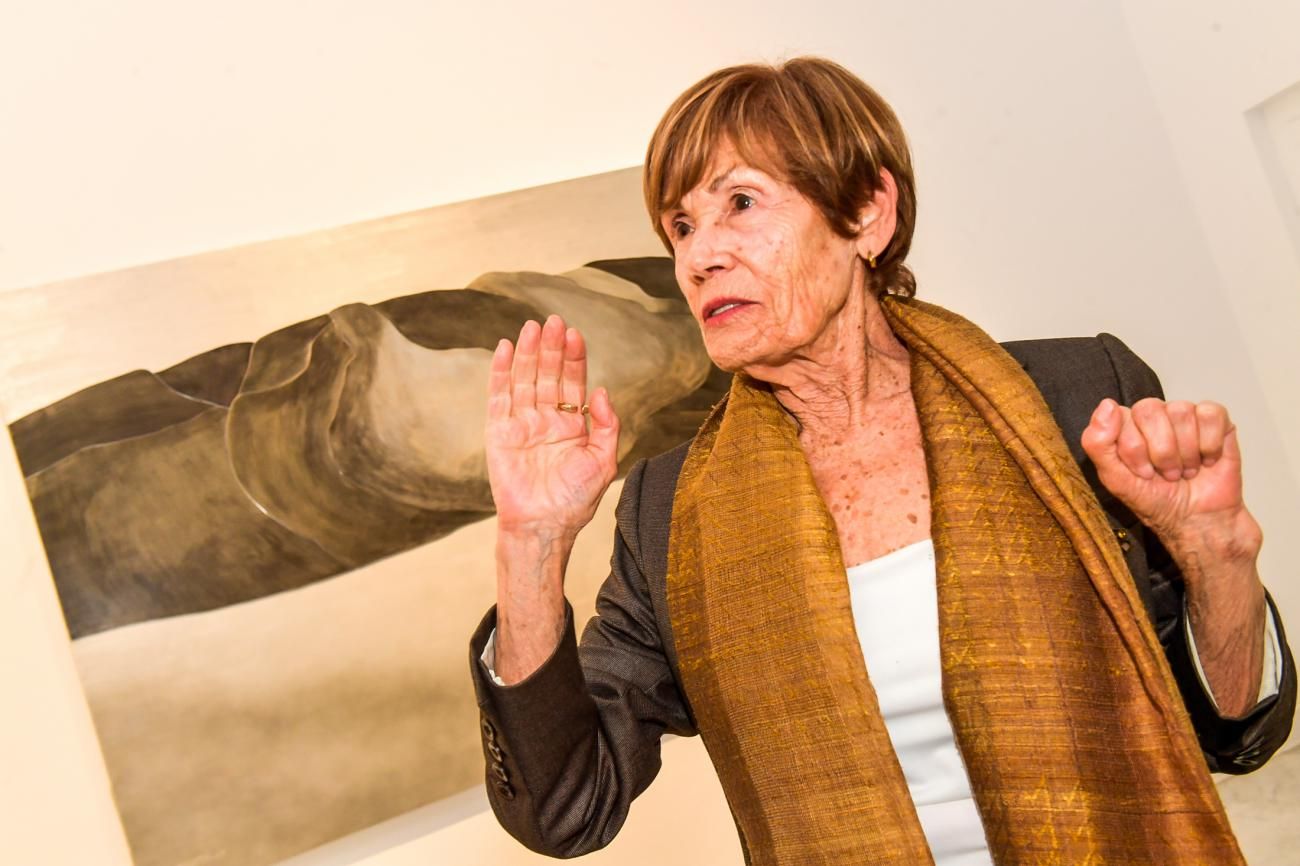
710, 250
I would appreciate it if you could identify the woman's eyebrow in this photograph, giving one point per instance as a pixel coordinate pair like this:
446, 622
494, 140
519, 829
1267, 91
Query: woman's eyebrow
718, 181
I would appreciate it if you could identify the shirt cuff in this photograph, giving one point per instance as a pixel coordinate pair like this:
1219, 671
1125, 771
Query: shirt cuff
1271, 680
489, 658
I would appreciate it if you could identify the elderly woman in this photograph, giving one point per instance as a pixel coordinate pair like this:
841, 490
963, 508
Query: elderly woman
912, 620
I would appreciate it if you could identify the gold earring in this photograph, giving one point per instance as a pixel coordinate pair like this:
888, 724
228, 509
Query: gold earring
871, 260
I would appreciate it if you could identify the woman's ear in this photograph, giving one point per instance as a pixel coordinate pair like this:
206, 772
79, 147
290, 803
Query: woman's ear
878, 219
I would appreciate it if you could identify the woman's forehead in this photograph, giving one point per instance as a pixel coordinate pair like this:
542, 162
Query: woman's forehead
726, 164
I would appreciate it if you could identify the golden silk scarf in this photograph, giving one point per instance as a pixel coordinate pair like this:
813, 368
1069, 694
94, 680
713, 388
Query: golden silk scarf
1078, 746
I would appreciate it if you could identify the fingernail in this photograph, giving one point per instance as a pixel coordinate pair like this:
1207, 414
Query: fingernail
1172, 474
1106, 410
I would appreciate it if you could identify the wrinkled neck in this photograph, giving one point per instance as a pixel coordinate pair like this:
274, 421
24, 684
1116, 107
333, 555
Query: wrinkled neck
858, 367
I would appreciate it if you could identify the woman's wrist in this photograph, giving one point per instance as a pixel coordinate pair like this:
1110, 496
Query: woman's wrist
530, 598
1215, 546
541, 535
1218, 561
1225, 605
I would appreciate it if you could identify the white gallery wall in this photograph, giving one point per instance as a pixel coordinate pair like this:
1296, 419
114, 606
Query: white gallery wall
1213, 67
1083, 166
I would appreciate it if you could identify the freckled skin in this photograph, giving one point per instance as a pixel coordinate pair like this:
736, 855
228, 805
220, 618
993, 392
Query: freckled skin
879, 497
809, 327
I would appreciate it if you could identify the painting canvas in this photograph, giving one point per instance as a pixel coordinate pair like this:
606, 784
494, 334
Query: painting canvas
259, 478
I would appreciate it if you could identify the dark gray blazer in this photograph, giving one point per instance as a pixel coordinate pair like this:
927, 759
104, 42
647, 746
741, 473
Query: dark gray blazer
569, 748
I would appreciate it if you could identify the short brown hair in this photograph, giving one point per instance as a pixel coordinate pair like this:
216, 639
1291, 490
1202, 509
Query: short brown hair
809, 122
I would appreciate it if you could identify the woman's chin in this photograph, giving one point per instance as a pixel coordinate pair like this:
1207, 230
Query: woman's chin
729, 358
751, 363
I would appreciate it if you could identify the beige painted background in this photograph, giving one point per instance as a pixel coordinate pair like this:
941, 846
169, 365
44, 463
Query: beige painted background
1083, 166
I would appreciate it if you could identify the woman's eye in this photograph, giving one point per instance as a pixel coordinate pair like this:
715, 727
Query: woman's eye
741, 201
680, 229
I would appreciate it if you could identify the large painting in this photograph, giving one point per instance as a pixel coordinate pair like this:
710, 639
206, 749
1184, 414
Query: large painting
270, 551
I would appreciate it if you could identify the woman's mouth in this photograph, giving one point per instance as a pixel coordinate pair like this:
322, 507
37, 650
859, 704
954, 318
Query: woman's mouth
723, 308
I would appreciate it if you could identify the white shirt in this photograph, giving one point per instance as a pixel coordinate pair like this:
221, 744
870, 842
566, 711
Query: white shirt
896, 612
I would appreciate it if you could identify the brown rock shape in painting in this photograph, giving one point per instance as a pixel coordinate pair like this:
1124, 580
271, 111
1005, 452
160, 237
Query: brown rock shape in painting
654, 274
279, 444
282, 719
135, 404
213, 377
349, 437
456, 318
281, 355
409, 422
157, 525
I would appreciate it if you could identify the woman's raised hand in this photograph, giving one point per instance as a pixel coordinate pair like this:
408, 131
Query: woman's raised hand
1177, 467
548, 471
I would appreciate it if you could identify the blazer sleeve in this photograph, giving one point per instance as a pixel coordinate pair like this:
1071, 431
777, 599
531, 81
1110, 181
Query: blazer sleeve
569, 748
1074, 375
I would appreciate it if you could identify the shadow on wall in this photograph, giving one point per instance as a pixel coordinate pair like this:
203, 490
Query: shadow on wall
224, 482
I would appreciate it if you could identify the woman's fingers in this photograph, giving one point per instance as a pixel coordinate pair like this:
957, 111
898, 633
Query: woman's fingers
550, 362
1174, 440
1163, 447
1132, 447
573, 379
549, 366
1101, 436
1182, 418
1212, 428
1170, 434
499, 381
604, 426
546, 367
523, 375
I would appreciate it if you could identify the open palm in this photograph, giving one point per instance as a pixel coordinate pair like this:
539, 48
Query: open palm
547, 469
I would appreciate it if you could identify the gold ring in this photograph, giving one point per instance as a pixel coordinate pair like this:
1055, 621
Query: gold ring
568, 407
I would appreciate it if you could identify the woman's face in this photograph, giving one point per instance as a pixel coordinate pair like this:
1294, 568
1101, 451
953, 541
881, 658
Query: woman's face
761, 269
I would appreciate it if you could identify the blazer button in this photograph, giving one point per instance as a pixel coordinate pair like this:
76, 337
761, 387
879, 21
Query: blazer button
504, 790
495, 751
500, 772
489, 732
